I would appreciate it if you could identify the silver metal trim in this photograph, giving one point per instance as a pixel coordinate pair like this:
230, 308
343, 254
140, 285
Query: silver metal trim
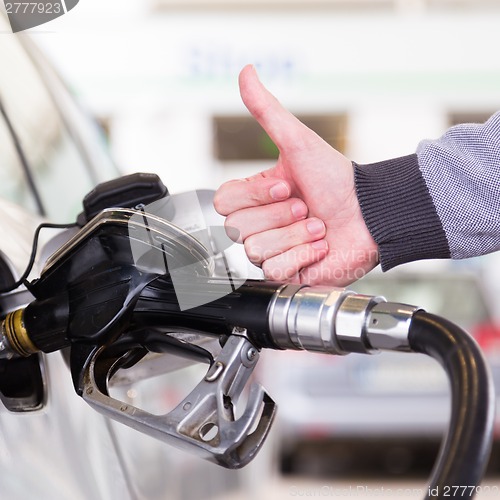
6, 351
303, 317
277, 316
351, 321
388, 326
337, 321
132, 218
311, 320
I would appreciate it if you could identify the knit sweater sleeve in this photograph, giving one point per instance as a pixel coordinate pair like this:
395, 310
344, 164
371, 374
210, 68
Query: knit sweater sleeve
441, 202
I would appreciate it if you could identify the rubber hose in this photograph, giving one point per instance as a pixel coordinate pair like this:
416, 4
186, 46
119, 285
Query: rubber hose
465, 450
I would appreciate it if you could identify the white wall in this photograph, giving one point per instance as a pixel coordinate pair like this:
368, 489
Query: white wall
158, 77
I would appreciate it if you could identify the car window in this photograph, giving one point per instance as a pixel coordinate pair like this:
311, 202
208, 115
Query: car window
13, 185
59, 171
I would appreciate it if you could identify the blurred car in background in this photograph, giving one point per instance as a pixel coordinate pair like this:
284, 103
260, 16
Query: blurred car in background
384, 411
52, 444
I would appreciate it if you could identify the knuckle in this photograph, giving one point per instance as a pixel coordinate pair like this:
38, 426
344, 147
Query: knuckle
277, 271
252, 250
271, 271
256, 198
219, 201
296, 234
230, 221
233, 231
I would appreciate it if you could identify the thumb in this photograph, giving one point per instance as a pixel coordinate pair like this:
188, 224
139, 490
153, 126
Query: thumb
282, 126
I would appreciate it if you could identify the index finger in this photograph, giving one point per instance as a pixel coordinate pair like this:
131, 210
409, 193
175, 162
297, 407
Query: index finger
251, 192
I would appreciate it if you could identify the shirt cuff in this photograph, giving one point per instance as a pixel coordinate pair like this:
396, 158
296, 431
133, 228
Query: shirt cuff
399, 212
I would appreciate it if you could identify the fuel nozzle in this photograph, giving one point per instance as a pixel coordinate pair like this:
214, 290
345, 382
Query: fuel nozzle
283, 316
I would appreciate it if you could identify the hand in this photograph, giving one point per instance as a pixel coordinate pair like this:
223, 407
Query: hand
300, 220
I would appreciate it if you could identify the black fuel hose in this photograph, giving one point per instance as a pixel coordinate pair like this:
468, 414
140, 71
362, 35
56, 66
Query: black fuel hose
465, 450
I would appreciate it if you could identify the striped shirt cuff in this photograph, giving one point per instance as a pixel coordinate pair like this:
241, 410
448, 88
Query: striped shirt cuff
399, 212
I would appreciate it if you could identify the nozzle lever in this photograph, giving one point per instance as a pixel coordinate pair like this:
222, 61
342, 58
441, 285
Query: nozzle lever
204, 422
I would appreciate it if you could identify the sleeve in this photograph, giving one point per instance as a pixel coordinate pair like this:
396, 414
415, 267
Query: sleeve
441, 202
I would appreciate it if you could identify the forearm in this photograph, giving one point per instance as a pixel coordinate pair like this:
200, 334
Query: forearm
442, 202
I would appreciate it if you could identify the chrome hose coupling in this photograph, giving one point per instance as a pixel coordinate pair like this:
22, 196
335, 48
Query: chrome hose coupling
337, 321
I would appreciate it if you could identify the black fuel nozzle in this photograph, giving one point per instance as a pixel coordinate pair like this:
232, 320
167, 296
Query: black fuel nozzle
48, 323
87, 291
85, 298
